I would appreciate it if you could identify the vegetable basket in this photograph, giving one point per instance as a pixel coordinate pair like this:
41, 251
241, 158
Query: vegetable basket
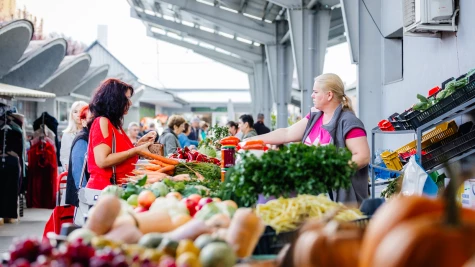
440, 132
460, 96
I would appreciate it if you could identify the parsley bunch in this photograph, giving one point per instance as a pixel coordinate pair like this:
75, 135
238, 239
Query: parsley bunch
297, 168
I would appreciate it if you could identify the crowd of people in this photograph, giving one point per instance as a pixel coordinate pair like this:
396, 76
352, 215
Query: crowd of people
96, 128
94, 140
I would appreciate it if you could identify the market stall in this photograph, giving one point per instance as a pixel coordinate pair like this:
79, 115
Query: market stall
273, 208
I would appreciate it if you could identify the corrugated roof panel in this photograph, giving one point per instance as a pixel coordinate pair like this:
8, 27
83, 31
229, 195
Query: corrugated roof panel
15, 91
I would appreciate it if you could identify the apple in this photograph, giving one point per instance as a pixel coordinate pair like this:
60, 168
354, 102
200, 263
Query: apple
195, 197
146, 198
216, 199
203, 202
140, 209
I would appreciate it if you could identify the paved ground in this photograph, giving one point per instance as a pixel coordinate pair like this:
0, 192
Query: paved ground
31, 224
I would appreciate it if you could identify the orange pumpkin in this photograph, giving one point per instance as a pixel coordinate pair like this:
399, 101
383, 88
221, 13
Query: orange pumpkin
335, 244
417, 235
426, 241
395, 212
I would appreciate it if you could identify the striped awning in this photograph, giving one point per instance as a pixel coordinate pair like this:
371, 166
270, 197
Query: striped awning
15, 91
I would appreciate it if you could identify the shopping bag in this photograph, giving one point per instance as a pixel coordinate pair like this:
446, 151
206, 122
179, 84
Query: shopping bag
60, 215
416, 180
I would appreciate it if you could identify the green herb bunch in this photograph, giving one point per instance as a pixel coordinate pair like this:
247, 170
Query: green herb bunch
297, 168
215, 134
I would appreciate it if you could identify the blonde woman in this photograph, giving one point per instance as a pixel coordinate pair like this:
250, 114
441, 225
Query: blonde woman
74, 127
331, 121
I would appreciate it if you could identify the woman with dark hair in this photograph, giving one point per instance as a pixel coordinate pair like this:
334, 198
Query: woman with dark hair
109, 104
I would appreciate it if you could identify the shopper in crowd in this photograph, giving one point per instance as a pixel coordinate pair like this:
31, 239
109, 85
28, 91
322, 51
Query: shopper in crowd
233, 129
169, 138
74, 127
108, 106
76, 161
246, 125
151, 127
259, 125
133, 132
331, 121
183, 137
204, 130
195, 130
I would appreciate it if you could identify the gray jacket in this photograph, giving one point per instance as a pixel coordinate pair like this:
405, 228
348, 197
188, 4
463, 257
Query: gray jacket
170, 141
251, 133
341, 123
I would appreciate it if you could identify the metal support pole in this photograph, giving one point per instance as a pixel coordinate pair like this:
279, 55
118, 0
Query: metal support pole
309, 46
373, 187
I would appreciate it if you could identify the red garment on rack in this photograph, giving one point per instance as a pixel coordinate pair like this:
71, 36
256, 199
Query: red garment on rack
42, 172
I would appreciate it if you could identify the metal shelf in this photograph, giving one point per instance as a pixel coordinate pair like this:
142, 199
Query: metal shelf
452, 160
458, 111
385, 169
376, 130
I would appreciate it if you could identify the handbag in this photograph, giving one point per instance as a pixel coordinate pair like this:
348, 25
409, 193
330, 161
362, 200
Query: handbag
88, 196
156, 149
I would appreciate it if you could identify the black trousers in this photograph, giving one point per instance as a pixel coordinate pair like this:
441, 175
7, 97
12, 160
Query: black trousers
10, 179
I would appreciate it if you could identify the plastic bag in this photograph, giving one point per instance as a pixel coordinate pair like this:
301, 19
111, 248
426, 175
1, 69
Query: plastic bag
414, 178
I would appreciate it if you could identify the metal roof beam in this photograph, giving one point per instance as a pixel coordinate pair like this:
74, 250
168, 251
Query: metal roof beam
230, 61
254, 29
243, 50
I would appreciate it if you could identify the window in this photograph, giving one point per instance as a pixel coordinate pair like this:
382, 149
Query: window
62, 110
27, 108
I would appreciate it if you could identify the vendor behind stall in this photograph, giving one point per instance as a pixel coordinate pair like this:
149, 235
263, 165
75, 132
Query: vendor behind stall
108, 106
331, 122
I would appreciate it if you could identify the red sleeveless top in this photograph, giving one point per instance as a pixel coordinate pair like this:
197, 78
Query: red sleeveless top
100, 178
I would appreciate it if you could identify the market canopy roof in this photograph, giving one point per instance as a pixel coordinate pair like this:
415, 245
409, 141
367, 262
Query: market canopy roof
40, 60
14, 39
90, 81
15, 91
71, 70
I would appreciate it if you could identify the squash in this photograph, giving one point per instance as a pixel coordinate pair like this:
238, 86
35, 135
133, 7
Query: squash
190, 230
124, 234
400, 209
103, 215
244, 232
429, 239
152, 221
336, 244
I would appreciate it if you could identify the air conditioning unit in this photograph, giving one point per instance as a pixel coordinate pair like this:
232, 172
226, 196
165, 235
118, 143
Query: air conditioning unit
429, 16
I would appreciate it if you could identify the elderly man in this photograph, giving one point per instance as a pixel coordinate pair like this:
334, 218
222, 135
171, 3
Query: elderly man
259, 125
195, 130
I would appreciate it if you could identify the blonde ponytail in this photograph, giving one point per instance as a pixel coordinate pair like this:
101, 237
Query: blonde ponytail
347, 104
331, 82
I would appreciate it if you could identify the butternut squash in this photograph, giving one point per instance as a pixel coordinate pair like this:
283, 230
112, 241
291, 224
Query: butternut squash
103, 215
190, 230
125, 234
244, 232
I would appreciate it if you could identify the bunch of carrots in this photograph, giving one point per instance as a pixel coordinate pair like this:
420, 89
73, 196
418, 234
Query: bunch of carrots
159, 168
